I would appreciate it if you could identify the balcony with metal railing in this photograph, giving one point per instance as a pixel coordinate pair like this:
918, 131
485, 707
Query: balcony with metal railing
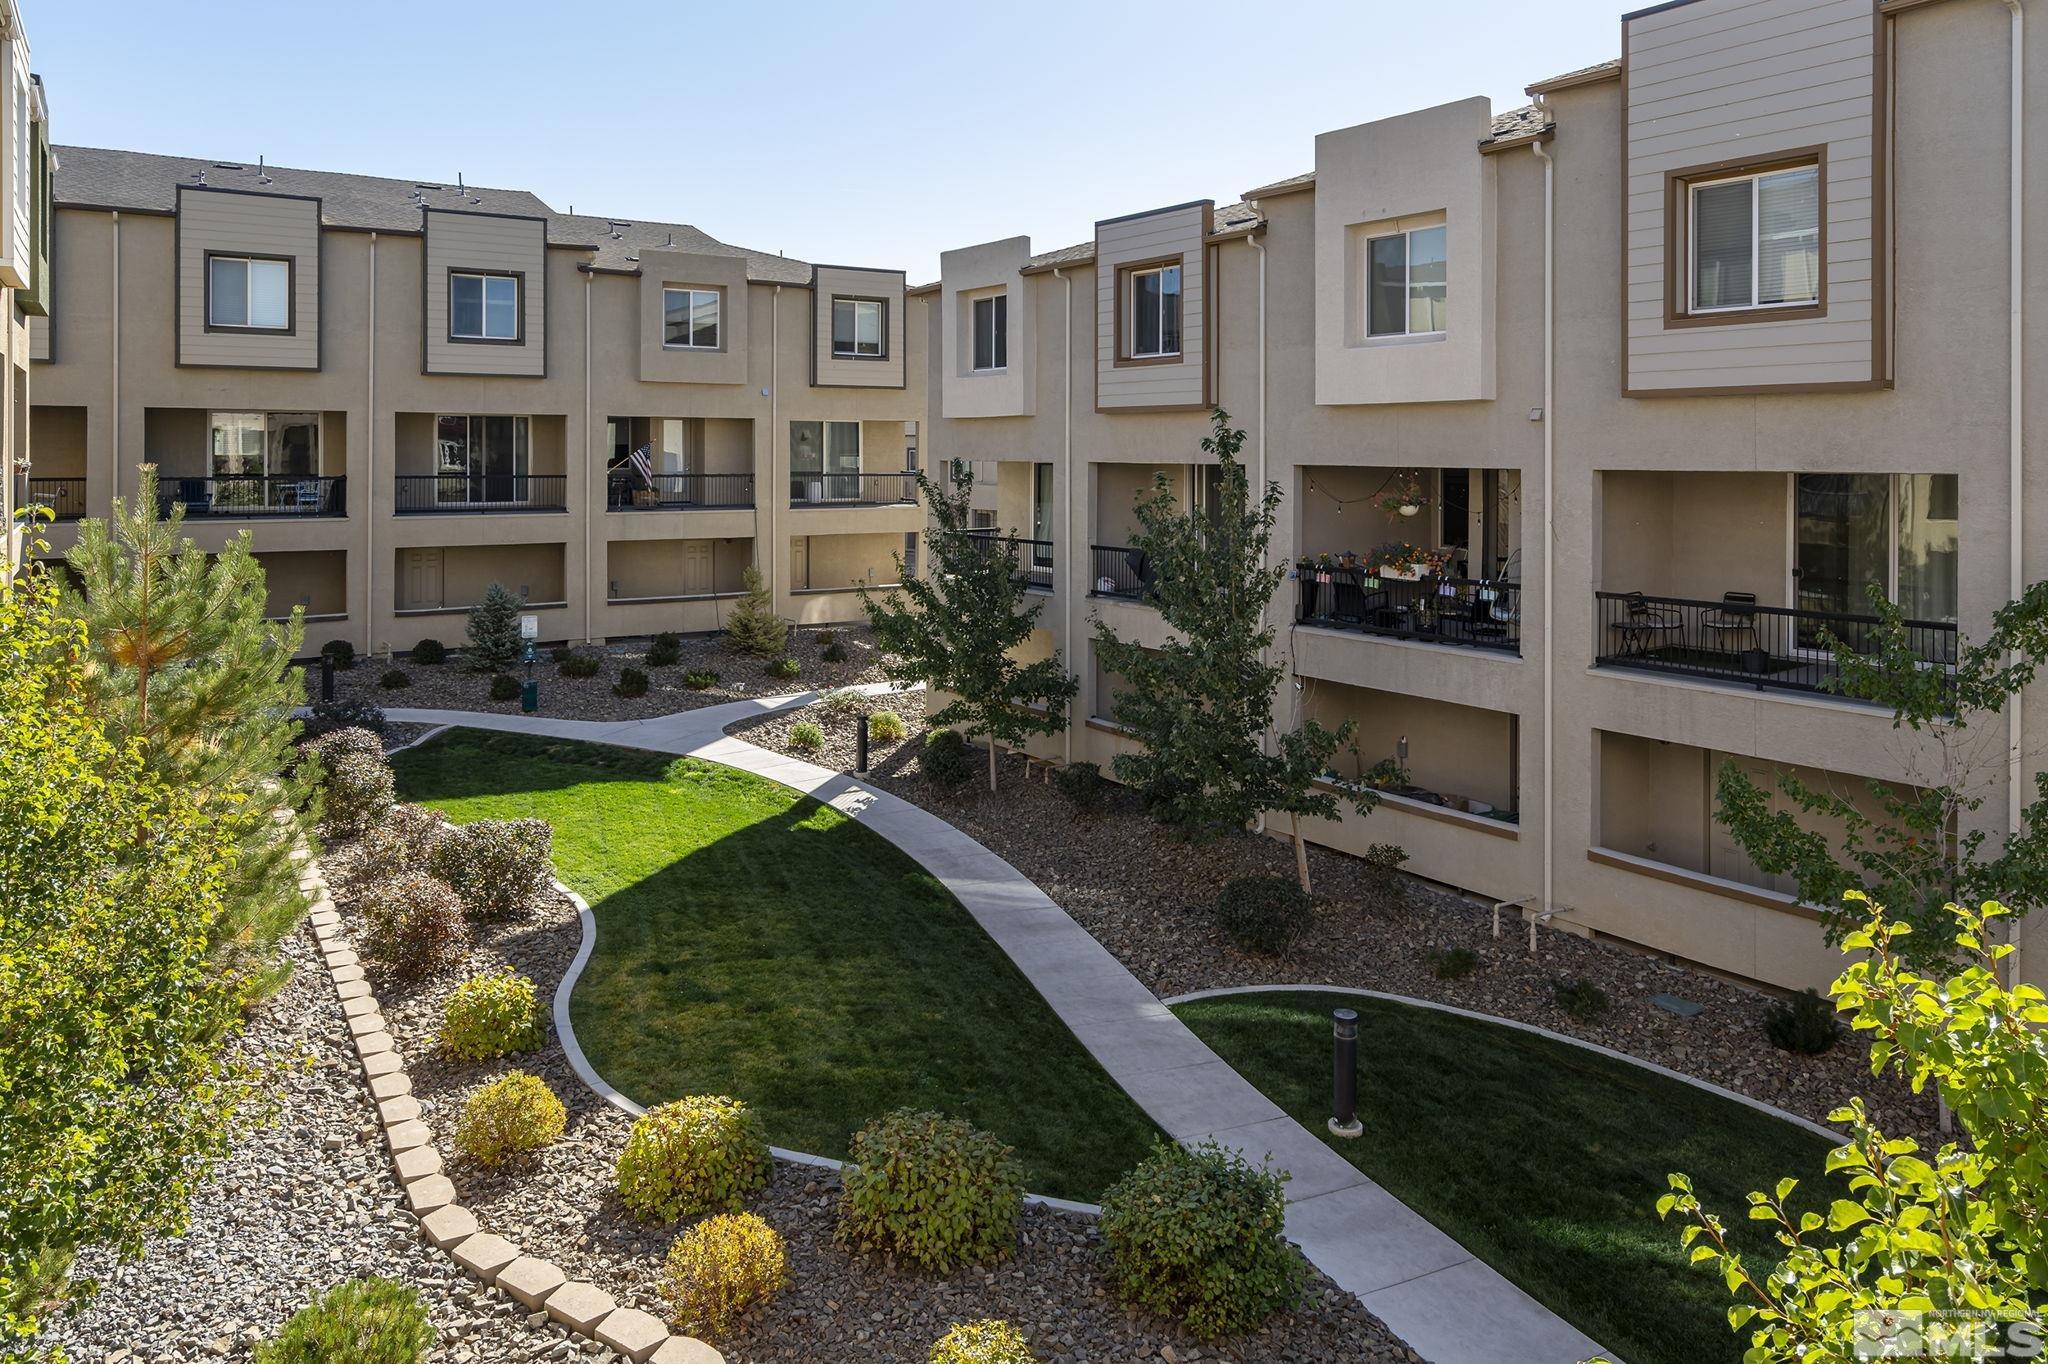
1033, 559
420, 494
1432, 609
204, 498
852, 489
679, 492
63, 498
1118, 572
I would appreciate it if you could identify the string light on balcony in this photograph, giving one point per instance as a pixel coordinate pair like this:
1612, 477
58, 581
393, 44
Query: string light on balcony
1409, 494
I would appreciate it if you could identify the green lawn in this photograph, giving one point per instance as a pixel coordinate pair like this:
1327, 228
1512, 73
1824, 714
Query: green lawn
1545, 1160
753, 942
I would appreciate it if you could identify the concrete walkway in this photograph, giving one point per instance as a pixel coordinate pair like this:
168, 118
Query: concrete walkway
1450, 1307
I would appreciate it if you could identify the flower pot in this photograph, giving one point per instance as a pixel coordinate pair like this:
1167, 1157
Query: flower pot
1409, 509
1406, 575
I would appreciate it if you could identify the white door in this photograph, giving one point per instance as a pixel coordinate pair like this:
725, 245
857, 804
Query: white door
696, 568
420, 587
799, 562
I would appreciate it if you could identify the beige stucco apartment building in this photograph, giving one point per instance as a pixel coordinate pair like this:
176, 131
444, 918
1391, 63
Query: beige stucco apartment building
1663, 371
404, 391
25, 167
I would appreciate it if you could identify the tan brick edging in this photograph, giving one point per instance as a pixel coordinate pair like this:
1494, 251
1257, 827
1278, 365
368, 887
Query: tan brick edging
583, 1308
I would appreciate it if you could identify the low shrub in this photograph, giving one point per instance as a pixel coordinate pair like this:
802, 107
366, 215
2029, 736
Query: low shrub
1081, 784
430, 653
934, 1190
784, 667
700, 679
508, 1118
491, 1015
402, 843
1579, 999
826, 638
363, 1321
394, 679
704, 1153
560, 654
359, 789
1454, 963
1196, 1235
581, 665
944, 758
666, 649
982, 1342
721, 1269
324, 717
632, 682
1384, 862
349, 742
341, 652
886, 726
504, 687
843, 701
1263, 914
497, 866
806, 737
833, 653
1805, 1024
413, 927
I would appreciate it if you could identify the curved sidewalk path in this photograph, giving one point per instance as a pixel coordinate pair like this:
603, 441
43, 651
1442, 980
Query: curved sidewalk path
1446, 1304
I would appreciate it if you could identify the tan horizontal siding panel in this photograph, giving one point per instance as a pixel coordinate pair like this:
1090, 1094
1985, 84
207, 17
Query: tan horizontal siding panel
1759, 137
217, 222
1696, 33
471, 241
1710, 109
1746, 73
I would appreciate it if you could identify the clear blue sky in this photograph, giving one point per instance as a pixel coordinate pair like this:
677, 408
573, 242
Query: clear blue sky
877, 133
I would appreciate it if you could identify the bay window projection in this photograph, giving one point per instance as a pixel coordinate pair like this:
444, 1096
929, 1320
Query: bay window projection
689, 319
480, 460
991, 332
1152, 312
858, 328
483, 307
1406, 283
1755, 240
248, 292
824, 462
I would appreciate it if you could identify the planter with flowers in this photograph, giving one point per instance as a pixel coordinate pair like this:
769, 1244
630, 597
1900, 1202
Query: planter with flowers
1404, 562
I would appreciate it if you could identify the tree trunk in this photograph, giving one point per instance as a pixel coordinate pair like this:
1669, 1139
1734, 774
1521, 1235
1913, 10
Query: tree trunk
991, 741
1300, 852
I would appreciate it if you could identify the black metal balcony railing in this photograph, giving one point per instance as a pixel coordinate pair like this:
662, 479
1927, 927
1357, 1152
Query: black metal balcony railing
1736, 640
671, 492
1465, 611
481, 493
871, 490
1032, 558
64, 497
1117, 571
253, 496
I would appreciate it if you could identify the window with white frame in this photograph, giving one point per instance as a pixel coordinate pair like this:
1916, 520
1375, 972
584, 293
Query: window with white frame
1406, 285
858, 328
1754, 240
689, 319
1152, 312
483, 307
991, 332
248, 291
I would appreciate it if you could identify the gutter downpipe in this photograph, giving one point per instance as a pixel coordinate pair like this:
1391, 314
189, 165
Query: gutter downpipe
588, 579
1549, 512
768, 554
370, 470
114, 333
1067, 476
2016, 474
1258, 489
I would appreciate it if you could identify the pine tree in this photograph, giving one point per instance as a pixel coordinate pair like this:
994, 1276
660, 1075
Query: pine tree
955, 627
754, 628
183, 664
493, 629
1200, 704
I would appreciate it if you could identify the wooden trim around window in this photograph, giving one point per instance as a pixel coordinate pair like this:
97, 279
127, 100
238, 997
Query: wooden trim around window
1678, 186
518, 338
1124, 271
291, 295
832, 342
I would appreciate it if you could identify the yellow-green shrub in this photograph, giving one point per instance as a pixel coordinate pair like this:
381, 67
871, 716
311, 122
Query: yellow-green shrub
703, 1153
933, 1189
363, 1321
491, 1015
720, 1269
886, 726
509, 1117
982, 1342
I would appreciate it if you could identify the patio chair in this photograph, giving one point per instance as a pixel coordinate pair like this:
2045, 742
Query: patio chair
1730, 623
1645, 626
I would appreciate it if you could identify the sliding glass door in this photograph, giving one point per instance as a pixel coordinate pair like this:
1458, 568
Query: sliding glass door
824, 461
1896, 532
480, 460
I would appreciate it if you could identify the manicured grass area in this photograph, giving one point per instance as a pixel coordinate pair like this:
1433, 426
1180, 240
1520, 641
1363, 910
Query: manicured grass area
1545, 1160
753, 942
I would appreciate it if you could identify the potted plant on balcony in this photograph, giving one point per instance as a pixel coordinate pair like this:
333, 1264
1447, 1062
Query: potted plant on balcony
1400, 560
1406, 498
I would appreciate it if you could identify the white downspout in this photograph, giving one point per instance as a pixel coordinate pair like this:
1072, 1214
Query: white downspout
2015, 416
1258, 485
586, 499
114, 331
367, 498
768, 554
1549, 515
1075, 553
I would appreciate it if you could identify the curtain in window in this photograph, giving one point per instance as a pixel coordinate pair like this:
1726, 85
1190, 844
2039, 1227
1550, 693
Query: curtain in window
501, 307
268, 304
1426, 280
1722, 245
1386, 286
1788, 236
842, 461
1929, 538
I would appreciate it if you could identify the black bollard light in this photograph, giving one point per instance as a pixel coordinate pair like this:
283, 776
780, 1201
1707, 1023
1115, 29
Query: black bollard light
326, 677
1344, 1074
860, 744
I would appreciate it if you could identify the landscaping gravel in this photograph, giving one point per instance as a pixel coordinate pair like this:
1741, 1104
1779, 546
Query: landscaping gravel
1146, 897
453, 686
838, 1307
301, 1203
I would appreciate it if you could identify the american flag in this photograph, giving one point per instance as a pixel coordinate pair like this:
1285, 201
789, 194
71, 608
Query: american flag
641, 465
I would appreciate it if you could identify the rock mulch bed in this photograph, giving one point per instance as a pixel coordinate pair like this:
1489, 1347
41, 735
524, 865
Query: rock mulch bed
452, 686
305, 1199
1146, 897
838, 715
838, 1307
